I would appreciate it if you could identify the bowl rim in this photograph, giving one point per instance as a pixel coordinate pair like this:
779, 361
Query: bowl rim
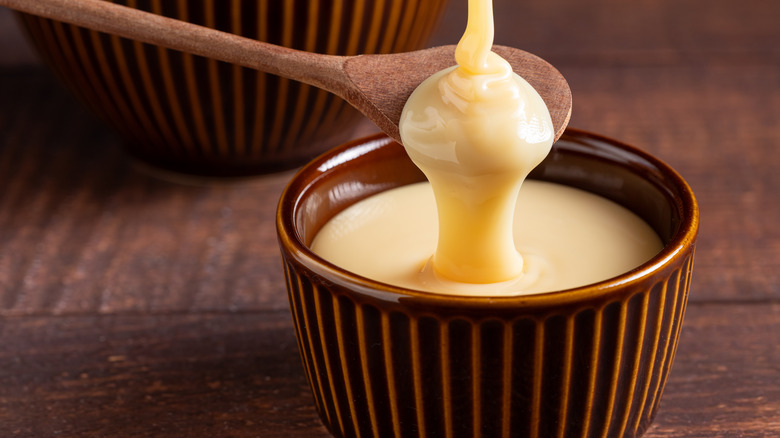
682, 242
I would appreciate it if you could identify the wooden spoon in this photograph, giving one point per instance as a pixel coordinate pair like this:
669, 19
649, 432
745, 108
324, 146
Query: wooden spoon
377, 85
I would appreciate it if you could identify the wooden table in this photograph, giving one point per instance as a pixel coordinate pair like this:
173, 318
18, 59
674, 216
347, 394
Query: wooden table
135, 306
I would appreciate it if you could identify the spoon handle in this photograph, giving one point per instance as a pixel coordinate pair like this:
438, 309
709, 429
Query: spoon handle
322, 71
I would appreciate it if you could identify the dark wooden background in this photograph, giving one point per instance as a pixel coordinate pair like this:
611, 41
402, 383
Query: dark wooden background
132, 305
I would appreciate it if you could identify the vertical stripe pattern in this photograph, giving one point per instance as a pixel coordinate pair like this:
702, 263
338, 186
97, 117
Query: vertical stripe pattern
191, 114
586, 372
588, 363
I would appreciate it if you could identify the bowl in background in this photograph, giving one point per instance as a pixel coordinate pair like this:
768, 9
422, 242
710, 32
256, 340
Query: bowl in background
387, 361
190, 114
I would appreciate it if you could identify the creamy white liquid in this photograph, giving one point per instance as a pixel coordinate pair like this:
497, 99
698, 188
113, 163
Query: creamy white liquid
476, 130
568, 238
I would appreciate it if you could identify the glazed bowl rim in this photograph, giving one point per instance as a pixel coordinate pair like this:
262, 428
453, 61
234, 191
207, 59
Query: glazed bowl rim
291, 241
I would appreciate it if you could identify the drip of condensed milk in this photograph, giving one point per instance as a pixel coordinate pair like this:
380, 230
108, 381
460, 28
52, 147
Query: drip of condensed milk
476, 130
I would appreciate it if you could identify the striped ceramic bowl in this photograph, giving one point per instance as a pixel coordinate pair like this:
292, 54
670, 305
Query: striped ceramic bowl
196, 115
590, 361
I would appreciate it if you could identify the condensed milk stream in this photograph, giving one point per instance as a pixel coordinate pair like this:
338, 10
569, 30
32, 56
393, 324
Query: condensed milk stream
476, 130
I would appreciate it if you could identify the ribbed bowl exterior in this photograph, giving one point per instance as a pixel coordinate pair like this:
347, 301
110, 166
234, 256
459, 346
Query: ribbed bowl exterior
379, 368
383, 361
196, 115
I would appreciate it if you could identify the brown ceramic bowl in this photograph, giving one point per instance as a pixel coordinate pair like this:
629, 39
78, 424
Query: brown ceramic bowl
195, 115
590, 361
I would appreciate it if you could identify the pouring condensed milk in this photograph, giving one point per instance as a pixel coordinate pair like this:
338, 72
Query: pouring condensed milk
476, 130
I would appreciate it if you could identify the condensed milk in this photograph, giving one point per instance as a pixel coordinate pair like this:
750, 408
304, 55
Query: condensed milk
476, 130
567, 238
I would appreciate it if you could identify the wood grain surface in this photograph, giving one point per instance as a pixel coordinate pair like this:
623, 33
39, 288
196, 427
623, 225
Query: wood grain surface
139, 304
